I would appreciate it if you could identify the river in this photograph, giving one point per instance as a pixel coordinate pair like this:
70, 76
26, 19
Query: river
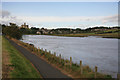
93, 51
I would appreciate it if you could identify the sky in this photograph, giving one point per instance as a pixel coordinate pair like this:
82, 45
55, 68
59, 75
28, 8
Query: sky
61, 14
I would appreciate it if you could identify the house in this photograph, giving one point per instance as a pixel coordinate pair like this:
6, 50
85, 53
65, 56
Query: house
38, 32
44, 31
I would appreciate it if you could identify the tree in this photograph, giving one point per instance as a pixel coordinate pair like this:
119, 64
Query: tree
12, 31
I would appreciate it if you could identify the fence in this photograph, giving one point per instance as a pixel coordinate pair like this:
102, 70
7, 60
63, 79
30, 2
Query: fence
64, 63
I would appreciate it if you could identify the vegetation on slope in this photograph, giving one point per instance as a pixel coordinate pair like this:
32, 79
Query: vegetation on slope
12, 31
19, 66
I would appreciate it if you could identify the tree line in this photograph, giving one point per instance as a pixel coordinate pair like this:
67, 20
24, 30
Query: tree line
15, 31
12, 31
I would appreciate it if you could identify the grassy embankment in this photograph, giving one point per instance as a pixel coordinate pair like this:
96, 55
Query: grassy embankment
66, 66
111, 33
106, 35
15, 65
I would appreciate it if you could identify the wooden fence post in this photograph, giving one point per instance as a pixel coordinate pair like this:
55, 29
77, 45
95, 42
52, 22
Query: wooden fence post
42, 50
70, 61
64, 64
60, 57
118, 76
95, 71
28, 45
81, 67
45, 51
54, 53
33, 49
50, 52
38, 49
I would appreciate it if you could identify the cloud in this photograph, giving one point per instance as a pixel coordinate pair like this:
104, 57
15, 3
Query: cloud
40, 19
110, 19
7, 18
58, 19
34, 20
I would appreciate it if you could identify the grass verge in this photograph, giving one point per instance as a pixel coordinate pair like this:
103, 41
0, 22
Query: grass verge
19, 66
105, 35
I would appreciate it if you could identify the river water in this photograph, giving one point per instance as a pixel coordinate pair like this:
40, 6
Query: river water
93, 51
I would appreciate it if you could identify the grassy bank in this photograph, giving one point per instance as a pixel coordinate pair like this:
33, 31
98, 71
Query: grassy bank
66, 66
15, 65
105, 35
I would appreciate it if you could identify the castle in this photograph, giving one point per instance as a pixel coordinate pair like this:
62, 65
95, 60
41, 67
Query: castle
24, 26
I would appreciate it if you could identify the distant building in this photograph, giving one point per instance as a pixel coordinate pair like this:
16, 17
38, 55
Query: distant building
38, 32
24, 26
44, 31
100, 29
51, 32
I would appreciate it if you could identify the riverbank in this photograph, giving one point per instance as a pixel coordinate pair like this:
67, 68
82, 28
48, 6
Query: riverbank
93, 51
64, 65
14, 64
106, 35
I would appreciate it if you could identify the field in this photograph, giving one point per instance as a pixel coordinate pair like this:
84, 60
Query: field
105, 35
110, 33
14, 64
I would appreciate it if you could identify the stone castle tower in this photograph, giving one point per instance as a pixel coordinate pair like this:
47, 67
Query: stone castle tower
24, 26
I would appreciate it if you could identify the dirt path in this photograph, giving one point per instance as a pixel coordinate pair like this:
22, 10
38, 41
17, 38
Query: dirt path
45, 69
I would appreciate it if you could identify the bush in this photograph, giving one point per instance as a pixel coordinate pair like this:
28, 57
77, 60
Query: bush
12, 31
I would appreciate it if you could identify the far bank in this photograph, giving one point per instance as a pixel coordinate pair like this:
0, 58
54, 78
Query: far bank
107, 35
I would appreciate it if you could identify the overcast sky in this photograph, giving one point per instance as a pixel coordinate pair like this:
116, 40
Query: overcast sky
61, 14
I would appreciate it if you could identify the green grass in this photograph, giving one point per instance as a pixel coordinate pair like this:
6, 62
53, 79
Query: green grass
20, 66
110, 33
104, 35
